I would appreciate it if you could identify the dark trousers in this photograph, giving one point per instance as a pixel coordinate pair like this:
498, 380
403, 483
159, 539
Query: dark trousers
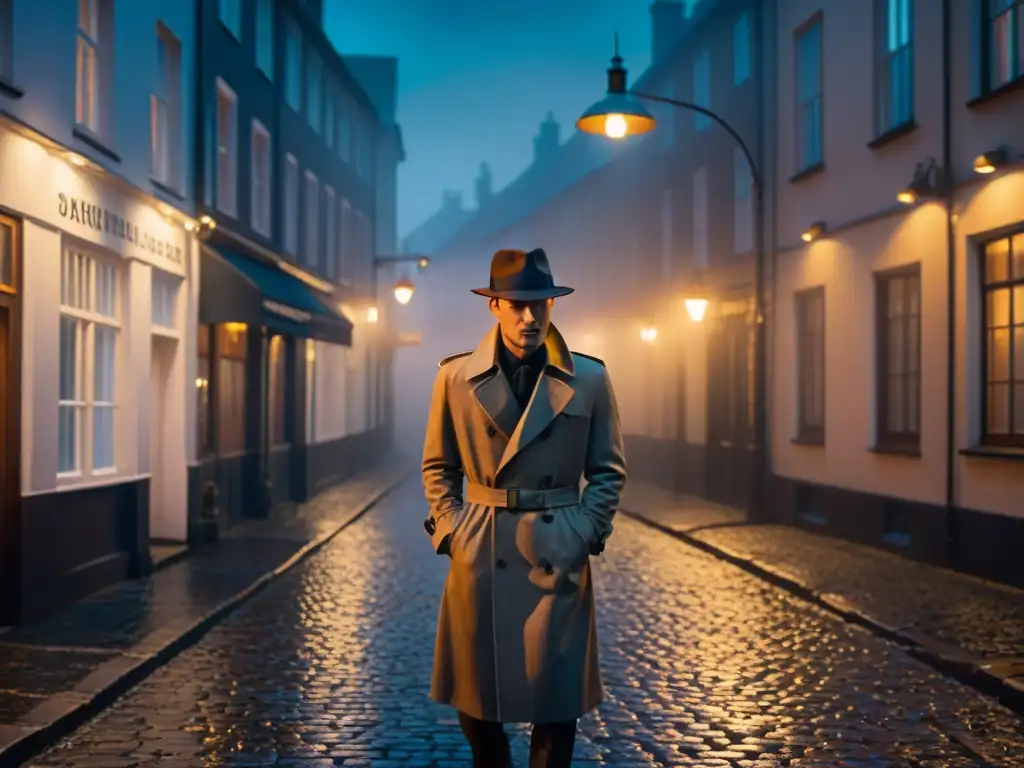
550, 746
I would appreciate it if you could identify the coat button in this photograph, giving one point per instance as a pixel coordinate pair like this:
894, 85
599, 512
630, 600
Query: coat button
500, 564
547, 517
491, 431
547, 567
547, 482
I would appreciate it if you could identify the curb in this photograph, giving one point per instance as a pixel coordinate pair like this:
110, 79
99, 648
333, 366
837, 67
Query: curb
948, 660
60, 714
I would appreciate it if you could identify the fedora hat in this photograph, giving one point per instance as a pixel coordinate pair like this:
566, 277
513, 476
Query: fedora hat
522, 276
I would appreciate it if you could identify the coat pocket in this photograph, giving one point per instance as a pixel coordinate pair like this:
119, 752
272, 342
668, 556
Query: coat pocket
550, 540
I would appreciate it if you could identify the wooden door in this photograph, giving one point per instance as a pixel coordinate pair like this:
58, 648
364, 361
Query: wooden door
10, 434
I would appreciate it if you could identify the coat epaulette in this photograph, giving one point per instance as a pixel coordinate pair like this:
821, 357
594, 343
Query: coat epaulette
445, 360
590, 357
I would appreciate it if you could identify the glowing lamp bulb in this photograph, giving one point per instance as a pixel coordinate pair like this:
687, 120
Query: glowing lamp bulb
615, 126
403, 294
371, 312
648, 334
907, 197
696, 308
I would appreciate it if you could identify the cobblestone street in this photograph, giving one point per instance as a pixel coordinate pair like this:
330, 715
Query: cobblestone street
705, 666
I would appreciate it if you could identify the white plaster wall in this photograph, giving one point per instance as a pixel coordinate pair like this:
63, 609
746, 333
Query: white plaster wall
845, 265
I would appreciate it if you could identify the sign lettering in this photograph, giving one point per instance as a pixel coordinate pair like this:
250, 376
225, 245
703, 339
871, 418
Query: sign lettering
100, 219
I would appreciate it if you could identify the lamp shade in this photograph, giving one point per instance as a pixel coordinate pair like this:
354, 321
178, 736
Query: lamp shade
616, 116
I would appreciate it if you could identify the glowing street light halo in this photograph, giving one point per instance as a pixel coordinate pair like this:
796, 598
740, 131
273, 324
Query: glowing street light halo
619, 114
404, 290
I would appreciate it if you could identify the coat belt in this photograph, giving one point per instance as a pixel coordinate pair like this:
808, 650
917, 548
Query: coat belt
522, 498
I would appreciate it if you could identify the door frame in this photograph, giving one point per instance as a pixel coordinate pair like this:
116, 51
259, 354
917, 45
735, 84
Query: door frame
10, 439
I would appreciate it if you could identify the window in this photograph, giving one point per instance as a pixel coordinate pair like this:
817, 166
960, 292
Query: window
291, 204
331, 232
344, 241
362, 246
293, 67
8, 280
898, 395
164, 299
809, 151
90, 313
204, 425
230, 14
260, 205
344, 136
330, 118
312, 234
741, 49
165, 109
894, 66
702, 88
1004, 42
312, 393
1004, 341
265, 37
743, 208
6, 40
93, 64
701, 256
277, 362
227, 149
232, 340
314, 92
810, 328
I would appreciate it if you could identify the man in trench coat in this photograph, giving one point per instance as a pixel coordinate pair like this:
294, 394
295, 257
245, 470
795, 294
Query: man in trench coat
520, 419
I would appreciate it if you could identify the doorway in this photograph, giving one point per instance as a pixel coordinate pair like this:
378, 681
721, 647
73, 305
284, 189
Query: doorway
167, 524
730, 406
10, 425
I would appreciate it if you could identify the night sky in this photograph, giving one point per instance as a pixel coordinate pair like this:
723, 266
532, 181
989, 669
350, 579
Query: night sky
476, 78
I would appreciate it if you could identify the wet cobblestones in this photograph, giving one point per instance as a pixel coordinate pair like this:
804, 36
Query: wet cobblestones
705, 666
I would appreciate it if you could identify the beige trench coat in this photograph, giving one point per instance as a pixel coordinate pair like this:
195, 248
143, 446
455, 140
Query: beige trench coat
516, 635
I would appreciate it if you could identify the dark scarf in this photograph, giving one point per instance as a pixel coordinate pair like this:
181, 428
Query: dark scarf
522, 375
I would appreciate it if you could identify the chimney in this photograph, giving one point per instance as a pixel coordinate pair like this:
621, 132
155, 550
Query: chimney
547, 140
668, 20
483, 186
451, 200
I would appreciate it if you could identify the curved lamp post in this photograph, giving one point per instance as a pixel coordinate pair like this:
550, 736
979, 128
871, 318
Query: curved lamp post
404, 288
620, 114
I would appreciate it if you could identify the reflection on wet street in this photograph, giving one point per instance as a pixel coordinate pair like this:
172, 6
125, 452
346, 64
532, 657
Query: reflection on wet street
704, 665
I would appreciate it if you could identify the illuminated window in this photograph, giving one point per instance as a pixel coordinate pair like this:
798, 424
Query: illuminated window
1003, 295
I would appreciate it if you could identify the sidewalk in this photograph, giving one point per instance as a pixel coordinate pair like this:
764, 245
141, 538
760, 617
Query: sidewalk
965, 626
57, 673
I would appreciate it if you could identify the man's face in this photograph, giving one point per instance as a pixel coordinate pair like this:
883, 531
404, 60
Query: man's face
524, 324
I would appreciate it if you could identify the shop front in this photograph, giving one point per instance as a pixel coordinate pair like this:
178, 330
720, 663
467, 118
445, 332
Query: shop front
255, 318
97, 273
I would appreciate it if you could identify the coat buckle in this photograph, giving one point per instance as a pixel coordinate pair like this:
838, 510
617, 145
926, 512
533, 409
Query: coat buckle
512, 498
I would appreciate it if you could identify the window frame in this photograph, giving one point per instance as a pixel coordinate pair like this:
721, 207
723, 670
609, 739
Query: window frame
330, 232
290, 209
229, 14
84, 404
885, 60
311, 218
294, 77
803, 161
259, 213
170, 102
886, 438
314, 86
224, 189
278, 349
1010, 439
809, 432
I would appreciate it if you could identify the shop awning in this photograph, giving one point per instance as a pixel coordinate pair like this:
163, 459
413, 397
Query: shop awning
235, 288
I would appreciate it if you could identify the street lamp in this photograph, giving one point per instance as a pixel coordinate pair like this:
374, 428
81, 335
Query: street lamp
648, 334
620, 114
404, 288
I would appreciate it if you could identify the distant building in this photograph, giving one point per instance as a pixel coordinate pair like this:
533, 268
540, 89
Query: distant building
439, 227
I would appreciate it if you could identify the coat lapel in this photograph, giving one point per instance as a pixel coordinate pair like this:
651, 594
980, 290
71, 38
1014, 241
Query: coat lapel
549, 399
490, 388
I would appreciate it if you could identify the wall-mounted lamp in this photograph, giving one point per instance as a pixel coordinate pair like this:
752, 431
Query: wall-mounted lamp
424, 262
648, 334
404, 289
372, 315
925, 184
205, 227
813, 232
991, 160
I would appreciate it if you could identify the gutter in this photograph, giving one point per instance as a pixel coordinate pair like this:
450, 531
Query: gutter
950, 197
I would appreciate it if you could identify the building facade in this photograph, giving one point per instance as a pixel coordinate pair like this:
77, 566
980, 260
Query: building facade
98, 266
287, 200
897, 341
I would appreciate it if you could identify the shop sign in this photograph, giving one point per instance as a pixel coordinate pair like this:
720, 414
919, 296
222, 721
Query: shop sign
93, 216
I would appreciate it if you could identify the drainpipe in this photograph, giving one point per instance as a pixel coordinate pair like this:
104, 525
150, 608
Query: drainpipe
950, 195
